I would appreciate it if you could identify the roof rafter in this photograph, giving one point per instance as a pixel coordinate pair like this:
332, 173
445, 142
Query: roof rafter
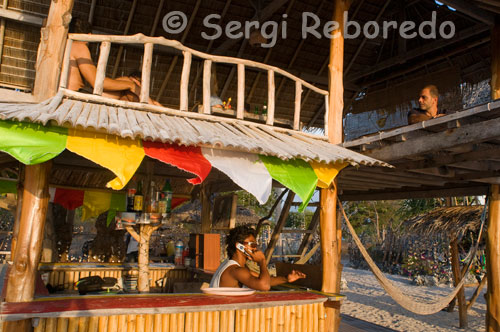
467, 7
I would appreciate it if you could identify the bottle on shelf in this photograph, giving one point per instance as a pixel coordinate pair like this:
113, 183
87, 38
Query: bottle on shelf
179, 249
138, 198
131, 191
152, 206
165, 205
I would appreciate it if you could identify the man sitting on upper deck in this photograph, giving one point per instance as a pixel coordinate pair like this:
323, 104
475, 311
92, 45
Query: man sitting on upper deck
241, 246
82, 67
428, 101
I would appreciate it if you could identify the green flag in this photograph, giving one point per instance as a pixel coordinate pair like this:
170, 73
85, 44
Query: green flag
295, 174
31, 143
118, 203
8, 187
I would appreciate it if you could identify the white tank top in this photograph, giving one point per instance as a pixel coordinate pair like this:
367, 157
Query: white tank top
224, 265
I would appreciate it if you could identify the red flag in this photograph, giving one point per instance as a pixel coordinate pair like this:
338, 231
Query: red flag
187, 158
176, 201
70, 199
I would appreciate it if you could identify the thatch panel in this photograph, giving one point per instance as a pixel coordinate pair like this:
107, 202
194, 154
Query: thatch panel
452, 221
40, 7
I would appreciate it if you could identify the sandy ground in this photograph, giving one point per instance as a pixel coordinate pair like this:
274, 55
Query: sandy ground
367, 300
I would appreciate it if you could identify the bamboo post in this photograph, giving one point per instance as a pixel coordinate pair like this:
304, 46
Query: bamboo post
186, 68
279, 226
493, 262
298, 97
65, 68
101, 68
240, 109
331, 231
270, 97
21, 283
457, 276
51, 49
207, 71
146, 72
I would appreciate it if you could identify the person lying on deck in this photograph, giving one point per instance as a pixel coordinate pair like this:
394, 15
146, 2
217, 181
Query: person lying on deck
242, 246
428, 102
82, 69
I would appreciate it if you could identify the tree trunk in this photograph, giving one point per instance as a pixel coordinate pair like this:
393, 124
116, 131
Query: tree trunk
493, 262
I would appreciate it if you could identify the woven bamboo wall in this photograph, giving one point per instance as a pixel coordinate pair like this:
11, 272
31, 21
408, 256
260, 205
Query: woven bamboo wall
299, 318
66, 278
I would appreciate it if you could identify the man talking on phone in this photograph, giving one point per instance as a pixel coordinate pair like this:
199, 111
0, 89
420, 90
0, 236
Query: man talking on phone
242, 246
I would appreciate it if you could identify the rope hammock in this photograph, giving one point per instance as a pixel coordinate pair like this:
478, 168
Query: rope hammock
401, 298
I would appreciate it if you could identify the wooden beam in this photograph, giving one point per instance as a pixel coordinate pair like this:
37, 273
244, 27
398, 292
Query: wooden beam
406, 193
125, 32
147, 61
495, 62
2, 29
478, 290
279, 226
240, 108
418, 52
186, 69
206, 209
493, 262
270, 98
21, 17
101, 68
207, 74
306, 241
331, 230
457, 277
470, 9
51, 49
363, 42
22, 275
176, 58
474, 133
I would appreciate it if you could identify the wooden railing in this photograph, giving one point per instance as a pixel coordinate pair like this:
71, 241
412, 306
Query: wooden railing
188, 53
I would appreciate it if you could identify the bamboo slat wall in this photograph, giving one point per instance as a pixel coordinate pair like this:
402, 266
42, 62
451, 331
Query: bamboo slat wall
66, 278
298, 318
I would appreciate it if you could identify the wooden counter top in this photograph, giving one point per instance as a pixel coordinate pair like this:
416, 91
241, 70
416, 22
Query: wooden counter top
103, 305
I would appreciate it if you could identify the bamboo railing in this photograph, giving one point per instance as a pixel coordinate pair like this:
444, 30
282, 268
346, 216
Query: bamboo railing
149, 43
298, 318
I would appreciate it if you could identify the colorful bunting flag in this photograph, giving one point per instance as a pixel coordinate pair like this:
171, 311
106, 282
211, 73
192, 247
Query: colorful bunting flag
118, 203
187, 158
70, 199
295, 174
326, 173
245, 169
119, 155
32, 143
8, 187
95, 203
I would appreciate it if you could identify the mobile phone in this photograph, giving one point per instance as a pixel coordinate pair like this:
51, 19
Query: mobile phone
241, 248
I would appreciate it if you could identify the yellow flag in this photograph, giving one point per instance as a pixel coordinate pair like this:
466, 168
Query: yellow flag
119, 155
95, 203
326, 173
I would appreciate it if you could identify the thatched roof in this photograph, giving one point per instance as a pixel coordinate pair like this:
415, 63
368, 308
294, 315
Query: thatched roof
455, 221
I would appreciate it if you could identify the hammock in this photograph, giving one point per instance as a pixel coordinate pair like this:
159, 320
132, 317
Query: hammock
401, 298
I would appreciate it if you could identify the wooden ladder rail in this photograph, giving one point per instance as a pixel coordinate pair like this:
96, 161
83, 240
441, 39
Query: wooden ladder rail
242, 64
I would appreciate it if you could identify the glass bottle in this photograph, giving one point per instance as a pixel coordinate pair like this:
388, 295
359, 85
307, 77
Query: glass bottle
131, 191
138, 198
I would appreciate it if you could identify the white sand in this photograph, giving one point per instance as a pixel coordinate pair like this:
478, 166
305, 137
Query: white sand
367, 300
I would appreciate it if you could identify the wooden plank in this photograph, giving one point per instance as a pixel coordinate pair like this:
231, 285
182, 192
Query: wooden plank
493, 262
101, 68
21, 17
186, 69
240, 108
142, 39
279, 226
125, 32
207, 72
270, 97
51, 49
65, 69
146, 72
298, 97
473, 133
